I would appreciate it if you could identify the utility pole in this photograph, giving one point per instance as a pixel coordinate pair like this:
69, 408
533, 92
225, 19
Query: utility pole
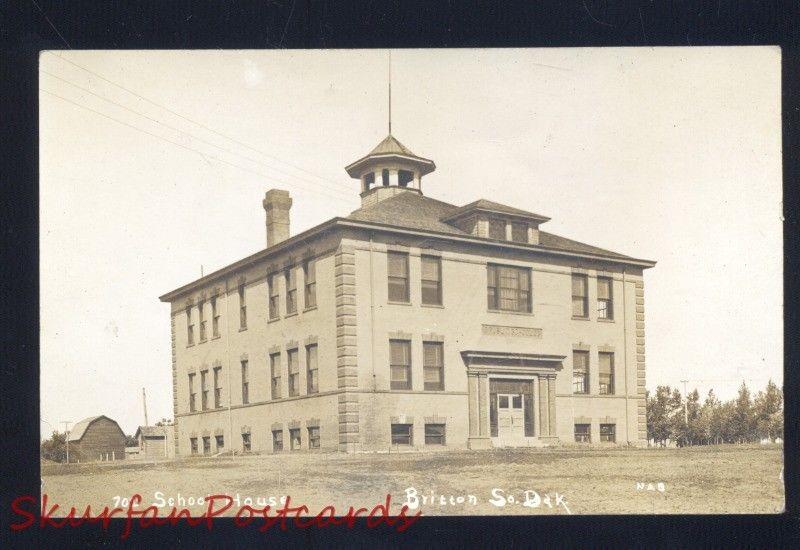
685, 403
66, 436
144, 402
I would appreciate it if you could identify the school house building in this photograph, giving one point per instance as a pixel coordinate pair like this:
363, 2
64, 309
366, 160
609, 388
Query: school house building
409, 323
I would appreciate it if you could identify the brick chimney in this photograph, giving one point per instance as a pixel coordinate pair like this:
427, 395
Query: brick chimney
277, 204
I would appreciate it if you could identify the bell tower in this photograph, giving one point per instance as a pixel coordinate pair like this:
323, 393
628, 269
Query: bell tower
390, 168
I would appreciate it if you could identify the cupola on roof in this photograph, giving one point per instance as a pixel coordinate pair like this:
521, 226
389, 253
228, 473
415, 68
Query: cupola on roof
388, 150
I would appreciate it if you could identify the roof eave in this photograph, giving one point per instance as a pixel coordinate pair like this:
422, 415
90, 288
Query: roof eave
354, 169
463, 213
261, 254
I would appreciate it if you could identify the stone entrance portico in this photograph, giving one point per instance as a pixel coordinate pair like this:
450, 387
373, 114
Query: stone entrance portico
498, 373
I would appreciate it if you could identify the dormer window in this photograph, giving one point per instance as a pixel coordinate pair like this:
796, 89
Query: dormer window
404, 177
497, 230
519, 232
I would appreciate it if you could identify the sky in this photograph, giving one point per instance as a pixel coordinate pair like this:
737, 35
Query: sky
668, 154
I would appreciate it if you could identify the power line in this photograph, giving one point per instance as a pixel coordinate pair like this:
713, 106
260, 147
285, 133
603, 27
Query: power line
205, 155
200, 124
190, 134
61, 36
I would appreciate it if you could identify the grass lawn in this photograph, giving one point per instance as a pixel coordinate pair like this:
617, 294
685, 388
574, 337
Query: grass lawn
704, 480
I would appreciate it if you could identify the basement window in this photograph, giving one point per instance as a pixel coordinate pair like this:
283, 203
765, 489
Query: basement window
434, 434
583, 433
402, 434
608, 433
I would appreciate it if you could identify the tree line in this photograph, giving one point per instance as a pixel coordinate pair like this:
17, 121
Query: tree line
740, 420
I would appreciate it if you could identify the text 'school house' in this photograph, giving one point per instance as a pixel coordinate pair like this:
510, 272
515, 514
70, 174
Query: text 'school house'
410, 323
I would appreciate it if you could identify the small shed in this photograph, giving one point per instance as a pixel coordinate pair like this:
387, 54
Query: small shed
96, 438
154, 442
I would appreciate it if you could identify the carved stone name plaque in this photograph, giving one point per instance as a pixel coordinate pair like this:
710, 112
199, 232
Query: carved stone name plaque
523, 332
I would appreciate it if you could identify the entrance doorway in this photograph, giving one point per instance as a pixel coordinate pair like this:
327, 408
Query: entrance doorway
510, 417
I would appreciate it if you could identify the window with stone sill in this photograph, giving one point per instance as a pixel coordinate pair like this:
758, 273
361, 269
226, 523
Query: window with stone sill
245, 383
433, 365
207, 445
398, 276
295, 443
277, 441
294, 373
275, 375
312, 381
246, 443
242, 308
193, 445
214, 318
274, 297
431, 280
310, 273
291, 291
580, 372
508, 288
220, 441
217, 388
580, 296
605, 298
400, 364
192, 395
606, 373
313, 438
204, 389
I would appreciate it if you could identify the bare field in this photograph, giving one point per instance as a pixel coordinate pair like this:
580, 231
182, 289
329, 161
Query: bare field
704, 480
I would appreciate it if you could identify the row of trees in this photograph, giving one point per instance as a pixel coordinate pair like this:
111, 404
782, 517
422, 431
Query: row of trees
740, 420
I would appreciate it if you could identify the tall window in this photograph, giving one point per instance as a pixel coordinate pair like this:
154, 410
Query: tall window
400, 367
192, 395
497, 230
398, 276
246, 442
313, 437
402, 434
433, 365
242, 308
275, 374
217, 389
312, 380
385, 177
214, 318
193, 444
606, 372
434, 434
310, 272
431, 280
295, 443
294, 372
274, 297
291, 290
580, 296
519, 232
509, 288
605, 298
204, 389
580, 372
583, 433
245, 384
189, 326
200, 312
220, 440
277, 441
608, 433
207, 445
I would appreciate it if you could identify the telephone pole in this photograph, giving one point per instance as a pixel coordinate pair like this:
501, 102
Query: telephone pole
144, 402
66, 436
685, 403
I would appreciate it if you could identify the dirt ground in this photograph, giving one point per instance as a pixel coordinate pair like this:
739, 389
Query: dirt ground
705, 480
